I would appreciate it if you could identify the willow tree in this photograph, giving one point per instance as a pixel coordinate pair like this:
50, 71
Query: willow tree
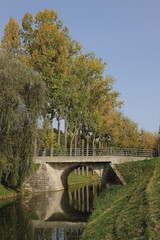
21, 101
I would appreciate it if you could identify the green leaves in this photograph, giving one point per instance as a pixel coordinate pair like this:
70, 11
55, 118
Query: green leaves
21, 100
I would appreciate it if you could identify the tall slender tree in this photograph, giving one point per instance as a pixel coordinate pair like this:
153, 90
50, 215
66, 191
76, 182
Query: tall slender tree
10, 42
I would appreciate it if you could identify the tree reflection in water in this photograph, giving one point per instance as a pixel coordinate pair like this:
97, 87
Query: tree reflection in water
15, 222
58, 234
49, 216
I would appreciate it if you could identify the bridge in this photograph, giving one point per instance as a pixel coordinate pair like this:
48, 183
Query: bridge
53, 172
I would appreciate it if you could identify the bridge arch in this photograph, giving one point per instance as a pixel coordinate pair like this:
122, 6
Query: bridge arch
70, 169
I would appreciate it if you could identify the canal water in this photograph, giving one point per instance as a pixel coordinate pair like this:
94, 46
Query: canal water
58, 215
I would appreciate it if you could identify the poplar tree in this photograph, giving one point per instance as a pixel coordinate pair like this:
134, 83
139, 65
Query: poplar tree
93, 96
49, 49
10, 42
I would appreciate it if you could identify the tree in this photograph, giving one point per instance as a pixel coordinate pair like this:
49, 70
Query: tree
10, 42
146, 139
84, 72
105, 104
76, 88
45, 137
128, 133
49, 49
21, 100
110, 127
92, 96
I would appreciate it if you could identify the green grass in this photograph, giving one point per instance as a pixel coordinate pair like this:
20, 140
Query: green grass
78, 179
4, 192
8, 193
130, 212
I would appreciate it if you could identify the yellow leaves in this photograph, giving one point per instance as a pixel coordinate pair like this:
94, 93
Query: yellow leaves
11, 39
27, 21
46, 16
95, 65
157, 140
45, 44
45, 136
123, 131
147, 139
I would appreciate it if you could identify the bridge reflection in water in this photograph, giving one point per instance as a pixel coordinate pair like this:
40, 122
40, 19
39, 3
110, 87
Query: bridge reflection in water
62, 215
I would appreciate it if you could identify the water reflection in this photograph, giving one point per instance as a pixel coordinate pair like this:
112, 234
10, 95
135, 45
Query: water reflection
15, 222
49, 216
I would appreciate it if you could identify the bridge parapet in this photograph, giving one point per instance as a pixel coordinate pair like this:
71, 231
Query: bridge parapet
109, 151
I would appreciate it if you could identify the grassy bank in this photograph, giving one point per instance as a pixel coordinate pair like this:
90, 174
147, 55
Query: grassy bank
79, 179
130, 212
6, 192
6, 195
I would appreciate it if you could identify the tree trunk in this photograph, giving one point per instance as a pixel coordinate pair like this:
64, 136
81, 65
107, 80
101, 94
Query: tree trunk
99, 147
35, 146
71, 142
93, 141
65, 133
75, 144
59, 135
82, 147
72, 138
35, 137
82, 170
102, 144
87, 144
87, 171
52, 137
79, 143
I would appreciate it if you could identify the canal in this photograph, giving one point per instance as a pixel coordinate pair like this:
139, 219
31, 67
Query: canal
58, 215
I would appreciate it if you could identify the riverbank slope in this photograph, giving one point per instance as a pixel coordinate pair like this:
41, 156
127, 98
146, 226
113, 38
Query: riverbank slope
131, 211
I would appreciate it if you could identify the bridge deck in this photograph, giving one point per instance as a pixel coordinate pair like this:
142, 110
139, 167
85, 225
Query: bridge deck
87, 159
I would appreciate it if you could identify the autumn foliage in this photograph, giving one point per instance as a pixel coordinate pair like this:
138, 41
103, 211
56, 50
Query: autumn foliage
77, 90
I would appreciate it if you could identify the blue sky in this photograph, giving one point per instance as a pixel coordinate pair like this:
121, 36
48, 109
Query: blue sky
124, 33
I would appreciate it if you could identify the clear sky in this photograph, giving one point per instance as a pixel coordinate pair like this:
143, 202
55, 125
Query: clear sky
124, 33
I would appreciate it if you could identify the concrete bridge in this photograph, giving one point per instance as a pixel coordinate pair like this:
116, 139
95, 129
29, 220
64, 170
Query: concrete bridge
53, 172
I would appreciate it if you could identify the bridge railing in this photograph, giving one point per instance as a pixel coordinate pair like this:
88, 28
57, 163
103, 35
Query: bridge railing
109, 151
